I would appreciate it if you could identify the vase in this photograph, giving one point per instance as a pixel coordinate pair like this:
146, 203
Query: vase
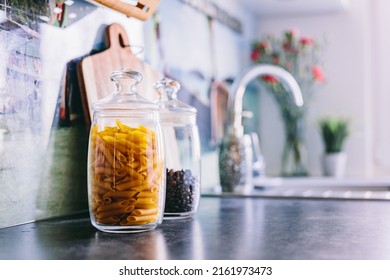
334, 164
294, 157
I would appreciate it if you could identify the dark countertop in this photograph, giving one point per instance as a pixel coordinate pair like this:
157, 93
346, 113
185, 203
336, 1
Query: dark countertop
224, 228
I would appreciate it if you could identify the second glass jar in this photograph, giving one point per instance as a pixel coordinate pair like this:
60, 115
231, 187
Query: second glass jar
182, 157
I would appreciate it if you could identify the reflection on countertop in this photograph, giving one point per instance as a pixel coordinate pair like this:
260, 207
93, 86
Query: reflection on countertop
366, 188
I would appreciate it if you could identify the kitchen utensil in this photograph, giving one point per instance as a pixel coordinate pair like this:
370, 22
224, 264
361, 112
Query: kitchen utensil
141, 9
95, 70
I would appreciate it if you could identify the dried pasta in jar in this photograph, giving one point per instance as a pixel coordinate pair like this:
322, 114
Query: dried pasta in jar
126, 178
125, 175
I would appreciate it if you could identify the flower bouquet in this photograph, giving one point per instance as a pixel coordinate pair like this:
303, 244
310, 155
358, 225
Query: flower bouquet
300, 57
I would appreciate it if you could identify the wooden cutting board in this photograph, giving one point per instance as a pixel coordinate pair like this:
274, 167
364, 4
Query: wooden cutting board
94, 70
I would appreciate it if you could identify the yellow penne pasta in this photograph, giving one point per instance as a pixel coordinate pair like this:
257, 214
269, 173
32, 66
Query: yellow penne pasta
149, 218
119, 156
128, 185
123, 128
122, 180
94, 130
126, 173
144, 129
141, 187
98, 159
122, 149
153, 188
143, 163
145, 206
148, 193
103, 185
145, 212
129, 208
142, 150
96, 203
134, 174
121, 135
118, 194
99, 190
138, 136
104, 170
109, 140
107, 154
114, 205
128, 223
120, 171
110, 129
106, 178
146, 200
108, 220
114, 212
133, 165
155, 173
125, 142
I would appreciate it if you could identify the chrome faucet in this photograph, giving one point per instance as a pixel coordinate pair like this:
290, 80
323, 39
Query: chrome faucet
235, 155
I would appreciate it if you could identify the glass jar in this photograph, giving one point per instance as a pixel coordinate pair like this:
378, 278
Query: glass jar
126, 168
182, 148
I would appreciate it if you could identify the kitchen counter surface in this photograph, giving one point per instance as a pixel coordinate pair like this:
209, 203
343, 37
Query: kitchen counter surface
224, 228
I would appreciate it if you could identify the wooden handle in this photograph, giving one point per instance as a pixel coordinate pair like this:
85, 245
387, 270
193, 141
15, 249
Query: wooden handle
116, 37
142, 11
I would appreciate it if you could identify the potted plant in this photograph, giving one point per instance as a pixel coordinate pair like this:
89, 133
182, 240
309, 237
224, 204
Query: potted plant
334, 131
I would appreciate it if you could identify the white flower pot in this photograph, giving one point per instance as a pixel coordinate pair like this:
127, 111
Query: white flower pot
334, 164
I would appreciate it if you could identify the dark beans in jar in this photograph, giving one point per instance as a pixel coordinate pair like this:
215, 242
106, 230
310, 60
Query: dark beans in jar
180, 191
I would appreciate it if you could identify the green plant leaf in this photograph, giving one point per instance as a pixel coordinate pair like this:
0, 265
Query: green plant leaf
334, 132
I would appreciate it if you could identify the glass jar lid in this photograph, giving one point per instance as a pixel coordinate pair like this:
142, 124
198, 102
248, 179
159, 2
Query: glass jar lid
167, 90
125, 96
172, 110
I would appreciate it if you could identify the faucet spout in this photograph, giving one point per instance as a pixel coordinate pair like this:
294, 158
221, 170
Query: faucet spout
236, 155
236, 94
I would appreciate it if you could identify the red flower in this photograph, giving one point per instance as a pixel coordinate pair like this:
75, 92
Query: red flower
318, 74
270, 79
255, 55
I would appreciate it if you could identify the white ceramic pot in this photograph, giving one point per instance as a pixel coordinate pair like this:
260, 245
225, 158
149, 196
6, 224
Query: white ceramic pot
334, 164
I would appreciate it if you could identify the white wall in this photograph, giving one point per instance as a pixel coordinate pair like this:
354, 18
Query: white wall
229, 55
381, 85
348, 91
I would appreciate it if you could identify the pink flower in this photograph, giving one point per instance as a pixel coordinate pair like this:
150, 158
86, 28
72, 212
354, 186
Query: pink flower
293, 32
265, 45
318, 74
306, 41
